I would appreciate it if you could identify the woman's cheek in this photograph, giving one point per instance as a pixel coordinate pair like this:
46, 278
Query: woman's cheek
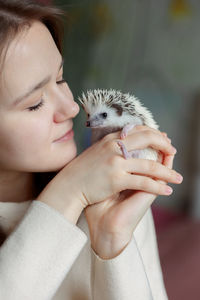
36, 128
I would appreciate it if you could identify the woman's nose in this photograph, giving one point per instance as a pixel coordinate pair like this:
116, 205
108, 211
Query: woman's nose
65, 106
68, 109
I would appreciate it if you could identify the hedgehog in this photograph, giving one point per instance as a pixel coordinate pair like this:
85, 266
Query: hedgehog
110, 111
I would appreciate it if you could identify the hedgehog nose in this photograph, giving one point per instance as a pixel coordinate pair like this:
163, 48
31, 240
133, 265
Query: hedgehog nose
88, 124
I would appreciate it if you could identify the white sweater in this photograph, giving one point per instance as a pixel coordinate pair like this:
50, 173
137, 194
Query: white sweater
46, 257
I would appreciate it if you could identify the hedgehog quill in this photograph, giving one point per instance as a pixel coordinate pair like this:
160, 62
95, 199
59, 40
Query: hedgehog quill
110, 110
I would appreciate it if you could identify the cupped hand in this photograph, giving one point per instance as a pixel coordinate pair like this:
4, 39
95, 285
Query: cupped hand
112, 222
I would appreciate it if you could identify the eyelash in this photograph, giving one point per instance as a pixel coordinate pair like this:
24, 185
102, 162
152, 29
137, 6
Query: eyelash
36, 107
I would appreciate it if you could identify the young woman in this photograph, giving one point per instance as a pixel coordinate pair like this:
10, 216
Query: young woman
77, 237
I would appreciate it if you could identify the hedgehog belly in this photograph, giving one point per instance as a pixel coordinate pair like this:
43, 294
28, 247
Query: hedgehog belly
147, 153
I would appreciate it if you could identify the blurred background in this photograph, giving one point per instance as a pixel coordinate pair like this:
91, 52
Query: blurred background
151, 49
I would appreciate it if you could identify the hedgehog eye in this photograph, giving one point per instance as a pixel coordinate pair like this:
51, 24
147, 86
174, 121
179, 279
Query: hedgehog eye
104, 115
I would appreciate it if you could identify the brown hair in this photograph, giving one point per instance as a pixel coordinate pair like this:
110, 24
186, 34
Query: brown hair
15, 16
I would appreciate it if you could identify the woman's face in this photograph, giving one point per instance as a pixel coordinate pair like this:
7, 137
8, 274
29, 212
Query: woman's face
28, 135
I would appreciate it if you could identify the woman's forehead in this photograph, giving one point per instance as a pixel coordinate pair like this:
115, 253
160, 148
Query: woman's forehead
30, 57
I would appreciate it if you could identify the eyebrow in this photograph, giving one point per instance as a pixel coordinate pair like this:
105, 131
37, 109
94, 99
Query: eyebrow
36, 87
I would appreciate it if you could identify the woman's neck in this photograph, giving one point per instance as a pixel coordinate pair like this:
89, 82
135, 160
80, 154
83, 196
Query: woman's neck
16, 186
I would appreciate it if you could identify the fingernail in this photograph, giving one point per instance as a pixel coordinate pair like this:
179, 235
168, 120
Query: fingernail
179, 178
168, 190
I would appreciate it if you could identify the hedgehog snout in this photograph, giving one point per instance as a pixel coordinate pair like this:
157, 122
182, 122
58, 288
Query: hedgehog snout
94, 121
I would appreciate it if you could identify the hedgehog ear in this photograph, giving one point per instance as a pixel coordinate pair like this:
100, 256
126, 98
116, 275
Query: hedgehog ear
118, 108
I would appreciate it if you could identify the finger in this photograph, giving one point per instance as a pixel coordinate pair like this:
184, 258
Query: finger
168, 161
135, 206
144, 127
148, 138
161, 181
165, 135
139, 128
152, 169
145, 184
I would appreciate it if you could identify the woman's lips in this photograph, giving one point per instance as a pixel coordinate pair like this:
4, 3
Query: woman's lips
67, 136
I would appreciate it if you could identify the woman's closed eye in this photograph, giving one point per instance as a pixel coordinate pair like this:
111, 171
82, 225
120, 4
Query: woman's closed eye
36, 107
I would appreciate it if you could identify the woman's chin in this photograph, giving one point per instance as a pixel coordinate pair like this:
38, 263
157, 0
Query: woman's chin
57, 160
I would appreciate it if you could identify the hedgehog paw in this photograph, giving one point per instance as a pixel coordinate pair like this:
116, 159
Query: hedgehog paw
125, 130
125, 153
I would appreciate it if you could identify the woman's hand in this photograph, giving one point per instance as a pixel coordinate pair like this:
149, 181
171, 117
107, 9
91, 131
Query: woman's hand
112, 222
101, 171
